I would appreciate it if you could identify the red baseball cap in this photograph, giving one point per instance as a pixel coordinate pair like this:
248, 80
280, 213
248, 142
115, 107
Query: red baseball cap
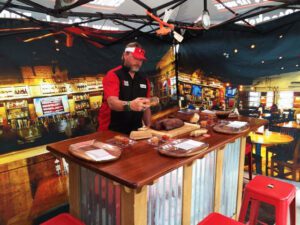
137, 52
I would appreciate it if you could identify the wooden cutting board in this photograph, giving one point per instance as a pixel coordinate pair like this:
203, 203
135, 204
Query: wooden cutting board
186, 128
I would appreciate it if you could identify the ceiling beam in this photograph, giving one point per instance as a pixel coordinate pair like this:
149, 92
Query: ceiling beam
143, 5
65, 8
6, 4
246, 15
37, 6
168, 4
235, 13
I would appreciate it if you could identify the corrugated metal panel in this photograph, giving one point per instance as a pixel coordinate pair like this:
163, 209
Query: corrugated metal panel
203, 187
100, 200
165, 200
230, 178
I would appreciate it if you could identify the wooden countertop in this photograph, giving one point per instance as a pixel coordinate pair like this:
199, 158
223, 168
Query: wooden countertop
141, 164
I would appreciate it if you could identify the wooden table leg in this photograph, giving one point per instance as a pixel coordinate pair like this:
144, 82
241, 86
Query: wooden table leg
241, 176
218, 179
187, 194
133, 206
74, 189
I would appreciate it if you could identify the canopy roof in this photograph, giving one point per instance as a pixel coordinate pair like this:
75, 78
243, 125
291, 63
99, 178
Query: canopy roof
235, 24
131, 14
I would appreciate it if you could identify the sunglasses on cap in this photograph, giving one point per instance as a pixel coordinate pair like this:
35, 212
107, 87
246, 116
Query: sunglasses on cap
137, 52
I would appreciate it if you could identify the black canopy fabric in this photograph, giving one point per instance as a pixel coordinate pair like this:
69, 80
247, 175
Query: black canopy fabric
223, 51
239, 55
83, 58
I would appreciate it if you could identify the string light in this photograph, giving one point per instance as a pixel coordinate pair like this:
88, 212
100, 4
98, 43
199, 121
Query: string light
252, 46
236, 50
280, 57
226, 55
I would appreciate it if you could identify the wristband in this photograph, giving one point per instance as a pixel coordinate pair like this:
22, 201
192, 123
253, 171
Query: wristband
127, 106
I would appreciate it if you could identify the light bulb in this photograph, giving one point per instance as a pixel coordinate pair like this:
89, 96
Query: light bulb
205, 20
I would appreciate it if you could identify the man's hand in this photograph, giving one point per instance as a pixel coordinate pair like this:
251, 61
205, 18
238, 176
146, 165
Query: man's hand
139, 104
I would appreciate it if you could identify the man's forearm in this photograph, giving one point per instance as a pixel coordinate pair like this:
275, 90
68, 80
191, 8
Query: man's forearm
138, 104
147, 117
115, 104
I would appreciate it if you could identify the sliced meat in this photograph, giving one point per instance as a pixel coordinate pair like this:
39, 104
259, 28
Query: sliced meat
167, 124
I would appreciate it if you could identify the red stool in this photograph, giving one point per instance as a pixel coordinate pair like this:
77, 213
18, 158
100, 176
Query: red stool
218, 219
63, 219
277, 193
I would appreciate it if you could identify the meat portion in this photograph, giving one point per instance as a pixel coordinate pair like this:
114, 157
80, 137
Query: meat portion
167, 124
189, 117
170, 124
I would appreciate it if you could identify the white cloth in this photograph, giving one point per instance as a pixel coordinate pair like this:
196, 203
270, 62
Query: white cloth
237, 124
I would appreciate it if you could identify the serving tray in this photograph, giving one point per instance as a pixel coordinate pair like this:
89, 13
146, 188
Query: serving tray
95, 151
225, 128
182, 148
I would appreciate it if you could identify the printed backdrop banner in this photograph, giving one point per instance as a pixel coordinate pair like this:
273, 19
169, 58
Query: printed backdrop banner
36, 64
80, 59
239, 55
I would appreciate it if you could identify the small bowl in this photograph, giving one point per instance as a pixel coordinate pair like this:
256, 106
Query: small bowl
222, 114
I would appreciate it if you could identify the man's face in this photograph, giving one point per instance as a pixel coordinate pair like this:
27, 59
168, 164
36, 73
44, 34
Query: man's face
133, 63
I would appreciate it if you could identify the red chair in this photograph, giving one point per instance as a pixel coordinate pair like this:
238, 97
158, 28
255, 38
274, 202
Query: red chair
63, 219
218, 219
248, 154
280, 194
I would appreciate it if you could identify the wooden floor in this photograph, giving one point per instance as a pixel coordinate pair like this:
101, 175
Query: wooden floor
30, 186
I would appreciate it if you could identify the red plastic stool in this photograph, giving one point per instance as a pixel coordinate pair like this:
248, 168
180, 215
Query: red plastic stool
63, 219
218, 219
277, 193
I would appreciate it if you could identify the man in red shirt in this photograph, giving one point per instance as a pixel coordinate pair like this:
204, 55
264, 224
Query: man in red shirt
126, 94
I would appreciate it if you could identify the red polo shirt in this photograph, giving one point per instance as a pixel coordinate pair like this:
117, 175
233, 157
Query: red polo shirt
111, 87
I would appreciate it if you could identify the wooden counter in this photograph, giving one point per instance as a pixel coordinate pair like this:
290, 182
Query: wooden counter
144, 187
290, 124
